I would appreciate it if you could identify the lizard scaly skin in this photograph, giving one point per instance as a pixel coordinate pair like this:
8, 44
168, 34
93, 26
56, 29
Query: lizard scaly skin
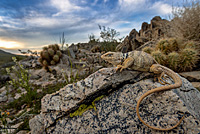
141, 61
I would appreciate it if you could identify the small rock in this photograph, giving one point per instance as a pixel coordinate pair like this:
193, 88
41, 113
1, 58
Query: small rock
2, 89
22, 132
72, 53
3, 93
193, 76
17, 96
196, 85
10, 99
39, 90
3, 99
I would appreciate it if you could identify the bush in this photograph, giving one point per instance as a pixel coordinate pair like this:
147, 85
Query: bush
185, 22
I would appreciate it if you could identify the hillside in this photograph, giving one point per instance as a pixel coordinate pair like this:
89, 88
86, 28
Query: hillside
7, 57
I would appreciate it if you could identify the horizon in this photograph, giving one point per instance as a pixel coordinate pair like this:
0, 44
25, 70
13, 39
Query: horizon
35, 23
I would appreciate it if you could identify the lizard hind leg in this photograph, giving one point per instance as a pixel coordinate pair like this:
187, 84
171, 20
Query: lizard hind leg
161, 77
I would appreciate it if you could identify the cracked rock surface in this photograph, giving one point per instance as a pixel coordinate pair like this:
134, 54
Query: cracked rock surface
116, 113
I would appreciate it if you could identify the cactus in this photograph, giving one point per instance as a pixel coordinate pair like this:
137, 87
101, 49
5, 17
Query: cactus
45, 63
45, 48
51, 52
159, 56
163, 45
56, 47
173, 60
53, 62
45, 55
177, 54
50, 55
147, 49
173, 45
190, 44
56, 58
189, 57
40, 60
59, 53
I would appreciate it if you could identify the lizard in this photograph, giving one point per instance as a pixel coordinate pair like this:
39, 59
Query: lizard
142, 61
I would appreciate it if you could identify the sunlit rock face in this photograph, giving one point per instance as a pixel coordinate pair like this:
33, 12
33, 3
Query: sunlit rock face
116, 111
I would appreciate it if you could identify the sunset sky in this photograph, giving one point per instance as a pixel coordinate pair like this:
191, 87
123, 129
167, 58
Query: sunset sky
31, 24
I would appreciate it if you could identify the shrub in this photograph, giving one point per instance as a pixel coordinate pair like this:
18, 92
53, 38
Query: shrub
185, 21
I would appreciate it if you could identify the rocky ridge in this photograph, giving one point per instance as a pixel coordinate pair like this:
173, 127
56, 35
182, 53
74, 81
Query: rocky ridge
148, 32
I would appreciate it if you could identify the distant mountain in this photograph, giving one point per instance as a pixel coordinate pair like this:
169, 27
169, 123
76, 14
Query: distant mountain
6, 57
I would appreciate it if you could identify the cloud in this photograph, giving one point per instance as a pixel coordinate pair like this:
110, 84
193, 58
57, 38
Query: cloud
161, 8
64, 6
131, 5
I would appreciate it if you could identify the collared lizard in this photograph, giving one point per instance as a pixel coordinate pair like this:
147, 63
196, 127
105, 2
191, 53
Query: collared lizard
141, 61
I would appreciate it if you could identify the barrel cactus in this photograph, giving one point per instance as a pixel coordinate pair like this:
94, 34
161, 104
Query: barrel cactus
177, 54
159, 56
189, 57
50, 55
174, 60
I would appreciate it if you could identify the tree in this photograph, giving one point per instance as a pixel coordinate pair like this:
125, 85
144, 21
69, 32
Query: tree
108, 34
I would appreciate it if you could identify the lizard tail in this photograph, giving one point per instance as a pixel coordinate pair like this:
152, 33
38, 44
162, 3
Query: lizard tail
150, 92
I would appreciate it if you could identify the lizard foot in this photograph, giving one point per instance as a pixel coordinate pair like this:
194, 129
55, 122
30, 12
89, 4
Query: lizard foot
120, 67
161, 77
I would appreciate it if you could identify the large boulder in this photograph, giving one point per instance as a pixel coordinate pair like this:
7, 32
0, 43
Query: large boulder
115, 112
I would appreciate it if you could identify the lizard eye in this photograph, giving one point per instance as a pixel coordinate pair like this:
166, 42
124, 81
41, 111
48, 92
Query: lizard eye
109, 55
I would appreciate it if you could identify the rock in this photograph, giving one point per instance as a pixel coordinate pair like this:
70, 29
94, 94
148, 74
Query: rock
193, 76
26, 64
3, 93
74, 48
97, 67
66, 60
15, 126
3, 98
72, 54
196, 85
147, 44
10, 99
95, 49
3, 89
17, 96
148, 32
22, 132
115, 113
4, 78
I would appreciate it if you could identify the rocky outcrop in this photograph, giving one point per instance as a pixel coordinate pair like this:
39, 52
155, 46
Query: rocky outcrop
148, 32
115, 112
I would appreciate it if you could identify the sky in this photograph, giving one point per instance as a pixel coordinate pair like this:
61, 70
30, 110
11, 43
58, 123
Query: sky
32, 24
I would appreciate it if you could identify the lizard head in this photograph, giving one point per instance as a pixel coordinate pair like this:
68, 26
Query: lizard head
112, 57
156, 68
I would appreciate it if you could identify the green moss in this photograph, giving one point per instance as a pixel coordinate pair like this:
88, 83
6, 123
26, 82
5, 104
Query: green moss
83, 107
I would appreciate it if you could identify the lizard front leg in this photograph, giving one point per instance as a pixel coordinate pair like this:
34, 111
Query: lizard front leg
127, 63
